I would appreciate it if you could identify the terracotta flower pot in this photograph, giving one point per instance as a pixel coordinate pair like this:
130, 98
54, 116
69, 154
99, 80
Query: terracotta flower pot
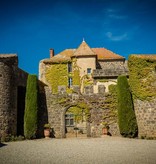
105, 131
47, 133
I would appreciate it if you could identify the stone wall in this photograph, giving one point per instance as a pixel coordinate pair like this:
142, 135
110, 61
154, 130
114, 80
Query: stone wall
58, 104
8, 94
22, 77
113, 65
42, 109
146, 118
55, 114
110, 69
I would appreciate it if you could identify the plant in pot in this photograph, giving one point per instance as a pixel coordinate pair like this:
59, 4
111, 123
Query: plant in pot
105, 129
47, 130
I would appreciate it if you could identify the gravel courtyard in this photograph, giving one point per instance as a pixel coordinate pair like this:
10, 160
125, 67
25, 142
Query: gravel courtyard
106, 150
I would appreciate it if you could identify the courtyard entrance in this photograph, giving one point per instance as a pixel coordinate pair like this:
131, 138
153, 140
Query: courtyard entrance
75, 122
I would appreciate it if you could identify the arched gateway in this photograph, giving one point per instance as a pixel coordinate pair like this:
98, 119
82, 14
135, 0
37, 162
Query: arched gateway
75, 121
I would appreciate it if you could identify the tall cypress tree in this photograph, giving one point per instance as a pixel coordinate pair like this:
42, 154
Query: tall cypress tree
30, 115
126, 115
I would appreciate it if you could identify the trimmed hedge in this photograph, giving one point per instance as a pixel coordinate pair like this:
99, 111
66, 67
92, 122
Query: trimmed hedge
30, 115
126, 115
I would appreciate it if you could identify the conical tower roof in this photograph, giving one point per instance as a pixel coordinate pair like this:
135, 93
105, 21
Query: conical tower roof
84, 50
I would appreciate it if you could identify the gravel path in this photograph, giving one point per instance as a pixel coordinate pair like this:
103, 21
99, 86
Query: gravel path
106, 150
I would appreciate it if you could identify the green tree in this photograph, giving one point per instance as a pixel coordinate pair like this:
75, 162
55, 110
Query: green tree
30, 115
126, 115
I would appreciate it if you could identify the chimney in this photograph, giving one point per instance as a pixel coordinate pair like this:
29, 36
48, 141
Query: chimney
51, 53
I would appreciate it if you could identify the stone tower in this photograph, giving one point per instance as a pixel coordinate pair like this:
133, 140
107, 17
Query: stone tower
8, 94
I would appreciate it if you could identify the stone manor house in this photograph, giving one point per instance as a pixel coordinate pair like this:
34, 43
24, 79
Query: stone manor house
74, 95
100, 66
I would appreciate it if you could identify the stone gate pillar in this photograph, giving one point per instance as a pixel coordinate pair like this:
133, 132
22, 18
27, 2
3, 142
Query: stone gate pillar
8, 94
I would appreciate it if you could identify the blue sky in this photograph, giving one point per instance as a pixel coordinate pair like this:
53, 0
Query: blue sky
31, 27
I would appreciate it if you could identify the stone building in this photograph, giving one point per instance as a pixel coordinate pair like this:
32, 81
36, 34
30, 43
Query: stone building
12, 95
77, 76
96, 66
76, 95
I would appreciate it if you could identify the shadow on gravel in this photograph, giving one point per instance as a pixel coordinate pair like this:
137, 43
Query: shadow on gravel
1, 145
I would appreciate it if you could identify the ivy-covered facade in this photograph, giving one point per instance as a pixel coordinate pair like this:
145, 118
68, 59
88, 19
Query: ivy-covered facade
82, 67
142, 81
86, 78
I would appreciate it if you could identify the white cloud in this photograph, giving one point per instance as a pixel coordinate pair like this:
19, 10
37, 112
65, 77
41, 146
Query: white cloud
116, 37
114, 14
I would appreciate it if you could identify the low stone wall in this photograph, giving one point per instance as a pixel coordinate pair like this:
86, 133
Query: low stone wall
146, 118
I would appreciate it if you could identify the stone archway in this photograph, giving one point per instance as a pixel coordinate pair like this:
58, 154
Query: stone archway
72, 125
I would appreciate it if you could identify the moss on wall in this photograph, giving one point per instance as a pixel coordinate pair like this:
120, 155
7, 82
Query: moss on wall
57, 75
142, 77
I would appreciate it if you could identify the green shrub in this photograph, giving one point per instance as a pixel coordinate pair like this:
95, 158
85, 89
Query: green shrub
126, 115
11, 138
30, 115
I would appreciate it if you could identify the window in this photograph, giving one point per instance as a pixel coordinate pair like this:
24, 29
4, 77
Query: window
69, 67
69, 119
69, 82
89, 70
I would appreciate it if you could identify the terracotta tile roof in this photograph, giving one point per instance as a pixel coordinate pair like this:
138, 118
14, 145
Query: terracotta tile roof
104, 54
146, 56
68, 52
58, 59
84, 50
61, 57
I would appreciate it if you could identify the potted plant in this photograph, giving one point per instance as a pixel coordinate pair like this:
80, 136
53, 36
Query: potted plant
47, 130
105, 129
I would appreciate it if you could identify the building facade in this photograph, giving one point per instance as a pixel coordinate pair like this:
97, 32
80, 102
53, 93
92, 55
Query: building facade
85, 74
77, 93
94, 67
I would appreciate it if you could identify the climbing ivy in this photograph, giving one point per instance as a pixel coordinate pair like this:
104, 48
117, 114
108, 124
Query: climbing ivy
81, 112
76, 72
57, 75
110, 116
142, 77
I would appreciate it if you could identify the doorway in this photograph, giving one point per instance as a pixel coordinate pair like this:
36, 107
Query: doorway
75, 122
20, 110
